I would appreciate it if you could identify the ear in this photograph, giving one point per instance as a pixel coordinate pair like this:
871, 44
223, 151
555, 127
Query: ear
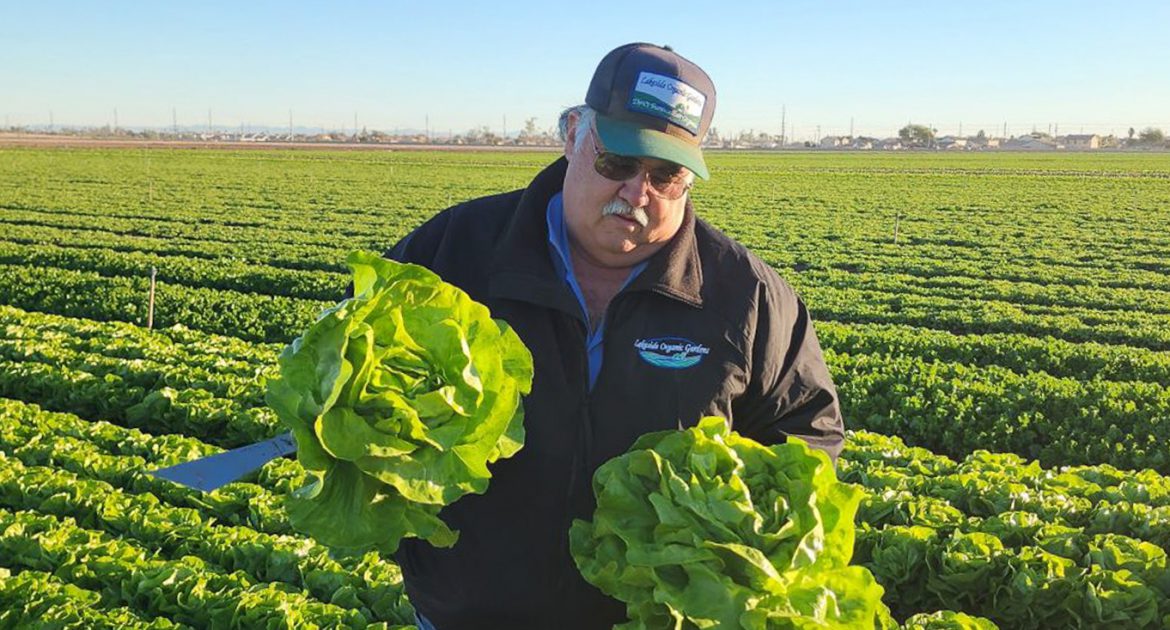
571, 136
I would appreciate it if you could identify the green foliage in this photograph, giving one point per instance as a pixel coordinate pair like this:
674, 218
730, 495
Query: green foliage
399, 398
917, 135
704, 528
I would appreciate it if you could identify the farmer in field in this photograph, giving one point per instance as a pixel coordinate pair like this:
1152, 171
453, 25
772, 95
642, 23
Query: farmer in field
640, 317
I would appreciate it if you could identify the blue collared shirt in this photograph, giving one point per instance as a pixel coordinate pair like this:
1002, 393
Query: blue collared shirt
558, 240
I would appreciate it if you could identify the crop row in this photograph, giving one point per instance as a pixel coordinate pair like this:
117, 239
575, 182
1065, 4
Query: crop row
911, 485
178, 345
959, 316
186, 590
38, 599
298, 258
87, 294
57, 348
1027, 587
222, 273
122, 457
1014, 292
1024, 546
176, 532
1019, 353
955, 409
192, 412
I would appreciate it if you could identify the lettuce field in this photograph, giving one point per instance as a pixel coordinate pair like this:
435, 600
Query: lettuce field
998, 326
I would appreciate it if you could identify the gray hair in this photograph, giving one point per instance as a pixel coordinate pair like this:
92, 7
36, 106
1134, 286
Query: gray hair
586, 117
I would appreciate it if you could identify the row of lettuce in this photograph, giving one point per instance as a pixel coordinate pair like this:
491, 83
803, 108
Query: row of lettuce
898, 383
263, 303
313, 273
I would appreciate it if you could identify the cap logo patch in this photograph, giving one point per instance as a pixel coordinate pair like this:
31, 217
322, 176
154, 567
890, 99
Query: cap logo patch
669, 99
674, 353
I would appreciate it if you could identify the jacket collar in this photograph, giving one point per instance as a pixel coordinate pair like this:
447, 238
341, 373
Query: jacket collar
522, 269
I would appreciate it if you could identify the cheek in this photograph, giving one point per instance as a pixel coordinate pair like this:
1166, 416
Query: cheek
665, 218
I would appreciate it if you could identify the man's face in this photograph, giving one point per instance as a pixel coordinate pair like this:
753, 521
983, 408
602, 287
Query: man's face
615, 223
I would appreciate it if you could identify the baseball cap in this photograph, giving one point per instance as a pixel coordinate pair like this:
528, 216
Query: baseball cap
652, 102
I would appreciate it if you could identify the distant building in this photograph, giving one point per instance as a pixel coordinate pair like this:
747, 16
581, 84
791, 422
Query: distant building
1031, 143
835, 142
1082, 141
864, 144
951, 142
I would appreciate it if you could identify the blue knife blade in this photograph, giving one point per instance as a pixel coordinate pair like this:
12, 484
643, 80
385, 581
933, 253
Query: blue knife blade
213, 471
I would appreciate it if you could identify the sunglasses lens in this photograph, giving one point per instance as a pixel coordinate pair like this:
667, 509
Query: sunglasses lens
616, 167
667, 183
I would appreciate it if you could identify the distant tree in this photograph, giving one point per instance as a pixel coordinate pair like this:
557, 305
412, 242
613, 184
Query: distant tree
981, 136
1131, 133
712, 137
916, 135
1151, 135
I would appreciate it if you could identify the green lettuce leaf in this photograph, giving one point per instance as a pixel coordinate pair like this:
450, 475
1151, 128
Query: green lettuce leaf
399, 398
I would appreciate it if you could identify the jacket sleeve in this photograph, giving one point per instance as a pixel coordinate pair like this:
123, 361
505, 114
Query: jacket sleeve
790, 391
418, 246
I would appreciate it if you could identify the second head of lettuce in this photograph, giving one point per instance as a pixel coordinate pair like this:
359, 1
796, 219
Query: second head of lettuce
398, 398
704, 528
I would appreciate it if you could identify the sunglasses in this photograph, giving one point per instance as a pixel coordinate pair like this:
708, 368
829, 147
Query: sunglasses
666, 182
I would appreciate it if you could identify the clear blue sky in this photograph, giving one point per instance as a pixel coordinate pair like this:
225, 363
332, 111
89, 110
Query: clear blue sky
1098, 65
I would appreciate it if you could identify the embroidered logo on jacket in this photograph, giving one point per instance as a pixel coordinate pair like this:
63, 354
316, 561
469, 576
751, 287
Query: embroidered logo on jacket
675, 353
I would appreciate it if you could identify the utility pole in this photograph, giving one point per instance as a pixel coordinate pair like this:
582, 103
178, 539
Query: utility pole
174, 121
505, 136
208, 120
290, 125
50, 120
1055, 130
1005, 130
850, 127
355, 127
783, 129
960, 129
818, 138
115, 119
428, 127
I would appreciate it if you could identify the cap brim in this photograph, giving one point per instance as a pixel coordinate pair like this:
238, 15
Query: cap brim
626, 138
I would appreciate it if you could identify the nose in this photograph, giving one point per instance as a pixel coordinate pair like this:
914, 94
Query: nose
634, 190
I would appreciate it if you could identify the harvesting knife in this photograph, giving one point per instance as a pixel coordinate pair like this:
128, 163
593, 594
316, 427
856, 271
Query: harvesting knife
213, 471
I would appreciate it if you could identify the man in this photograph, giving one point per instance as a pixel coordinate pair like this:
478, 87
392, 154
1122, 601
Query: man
639, 316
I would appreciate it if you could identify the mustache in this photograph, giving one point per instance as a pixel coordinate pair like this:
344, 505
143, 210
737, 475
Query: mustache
619, 207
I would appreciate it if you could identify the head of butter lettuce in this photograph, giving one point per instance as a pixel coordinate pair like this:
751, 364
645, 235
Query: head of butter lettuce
398, 398
704, 528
